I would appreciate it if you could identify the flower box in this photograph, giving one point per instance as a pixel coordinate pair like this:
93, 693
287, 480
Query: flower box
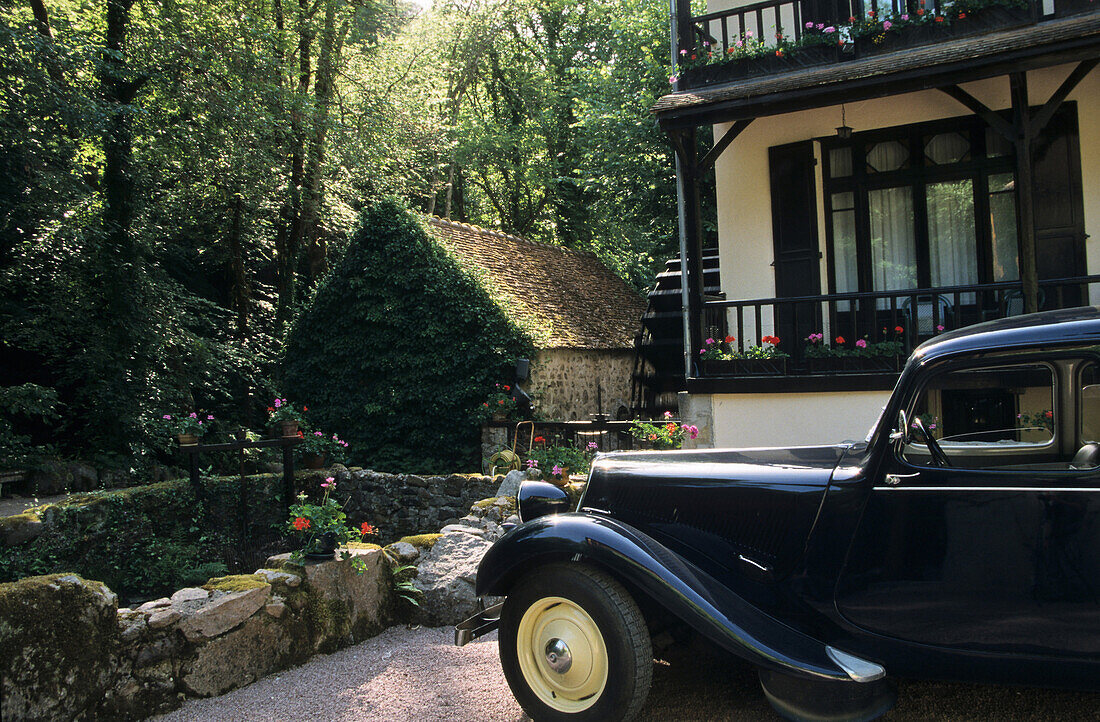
746, 367
853, 364
741, 68
976, 22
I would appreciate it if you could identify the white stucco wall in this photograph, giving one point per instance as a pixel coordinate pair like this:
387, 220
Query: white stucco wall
743, 420
743, 190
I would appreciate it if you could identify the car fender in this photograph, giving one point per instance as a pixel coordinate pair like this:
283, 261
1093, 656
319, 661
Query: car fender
677, 585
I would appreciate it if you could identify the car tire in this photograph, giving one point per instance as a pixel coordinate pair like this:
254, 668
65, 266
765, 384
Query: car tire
574, 646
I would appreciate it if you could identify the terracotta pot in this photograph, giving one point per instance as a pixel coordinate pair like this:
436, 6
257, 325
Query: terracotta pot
314, 461
288, 428
187, 439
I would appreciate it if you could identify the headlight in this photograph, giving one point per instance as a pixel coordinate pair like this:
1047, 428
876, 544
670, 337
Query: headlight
537, 498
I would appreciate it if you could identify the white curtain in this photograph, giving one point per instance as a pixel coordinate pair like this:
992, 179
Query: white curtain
952, 244
893, 239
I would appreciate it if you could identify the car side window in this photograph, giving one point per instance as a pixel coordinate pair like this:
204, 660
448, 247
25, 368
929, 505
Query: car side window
1088, 405
1000, 417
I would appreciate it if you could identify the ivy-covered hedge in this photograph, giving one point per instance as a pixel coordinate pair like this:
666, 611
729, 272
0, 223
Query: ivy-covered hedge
398, 348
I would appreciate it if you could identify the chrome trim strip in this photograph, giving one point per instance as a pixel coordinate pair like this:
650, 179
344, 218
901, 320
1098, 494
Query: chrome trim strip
756, 564
594, 510
860, 670
987, 488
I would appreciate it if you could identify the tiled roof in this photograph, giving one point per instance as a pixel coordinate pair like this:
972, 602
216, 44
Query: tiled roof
566, 298
945, 56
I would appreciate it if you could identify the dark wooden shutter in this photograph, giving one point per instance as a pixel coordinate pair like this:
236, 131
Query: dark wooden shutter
1059, 206
794, 229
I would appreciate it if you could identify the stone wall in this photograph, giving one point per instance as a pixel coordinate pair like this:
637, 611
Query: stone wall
68, 652
563, 382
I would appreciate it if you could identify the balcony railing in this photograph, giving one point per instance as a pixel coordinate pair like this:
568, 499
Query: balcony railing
741, 40
901, 319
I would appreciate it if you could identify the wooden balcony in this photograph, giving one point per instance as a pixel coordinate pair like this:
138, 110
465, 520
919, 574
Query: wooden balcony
778, 36
890, 324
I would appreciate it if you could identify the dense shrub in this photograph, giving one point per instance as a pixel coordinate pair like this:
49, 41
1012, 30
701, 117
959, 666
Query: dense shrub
398, 347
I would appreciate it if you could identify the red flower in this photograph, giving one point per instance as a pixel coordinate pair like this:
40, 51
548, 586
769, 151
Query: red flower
693, 57
507, 388
939, 18
301, 523
730, 339
852, 18
772, 340
270, 410
501, 402
540, 439
486, 404
920, 11
305, 408
899, 329
840, 339
301, 435
779, 53
962, 16
365, 528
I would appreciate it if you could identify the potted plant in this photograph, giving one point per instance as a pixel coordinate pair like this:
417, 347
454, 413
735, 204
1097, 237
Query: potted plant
323, 526
667, 435
499, 405
720, 358
318, 449
187, 429
284, 417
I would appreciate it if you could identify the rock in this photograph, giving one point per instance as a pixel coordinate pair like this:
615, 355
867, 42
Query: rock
274, 576
403, 552
463, 529
84, 477
224, 612
20, 528
163, 618
275, 608
50, 477
190, 594
446, 577
58, 636
161, 649
155, 604
237, 658
131, 627
510, 485
514, 519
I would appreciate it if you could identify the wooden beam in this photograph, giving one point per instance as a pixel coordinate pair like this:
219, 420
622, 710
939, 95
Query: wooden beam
691, 245
1040, 119
1025, 195
716, 150
983, 111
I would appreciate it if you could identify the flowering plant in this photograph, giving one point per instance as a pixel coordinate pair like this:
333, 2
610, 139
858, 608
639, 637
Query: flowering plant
1036, 419
281, 410
185, 423
553, 460
499, 401
667, 435
723, 350
889, 346
321, 444
324, 524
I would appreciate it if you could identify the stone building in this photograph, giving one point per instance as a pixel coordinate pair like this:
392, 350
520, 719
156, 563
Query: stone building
581, 316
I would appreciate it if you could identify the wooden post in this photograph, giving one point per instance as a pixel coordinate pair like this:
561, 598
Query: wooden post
288, 473
1025, 196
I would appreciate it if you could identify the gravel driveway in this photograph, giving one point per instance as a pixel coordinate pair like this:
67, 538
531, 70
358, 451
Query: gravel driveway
419, 675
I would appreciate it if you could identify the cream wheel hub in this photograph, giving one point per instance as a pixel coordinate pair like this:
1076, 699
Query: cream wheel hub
562, 654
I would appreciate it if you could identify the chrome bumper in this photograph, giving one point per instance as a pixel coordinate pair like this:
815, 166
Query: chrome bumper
481, 623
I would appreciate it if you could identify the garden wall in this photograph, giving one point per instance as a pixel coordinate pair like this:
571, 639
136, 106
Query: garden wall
68, 652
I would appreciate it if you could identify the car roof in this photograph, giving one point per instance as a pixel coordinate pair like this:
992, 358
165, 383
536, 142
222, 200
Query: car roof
1071, 326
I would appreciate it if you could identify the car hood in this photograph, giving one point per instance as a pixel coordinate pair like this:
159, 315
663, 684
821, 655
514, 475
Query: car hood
746, 510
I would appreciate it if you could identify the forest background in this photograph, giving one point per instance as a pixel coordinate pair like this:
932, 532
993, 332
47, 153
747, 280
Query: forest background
176, 176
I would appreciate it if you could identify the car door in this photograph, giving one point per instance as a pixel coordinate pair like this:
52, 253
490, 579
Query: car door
999, 552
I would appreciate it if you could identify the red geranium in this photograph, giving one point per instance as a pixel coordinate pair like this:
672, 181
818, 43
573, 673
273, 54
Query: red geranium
899, 329
301, 523
365, 529
730, 339
840, 339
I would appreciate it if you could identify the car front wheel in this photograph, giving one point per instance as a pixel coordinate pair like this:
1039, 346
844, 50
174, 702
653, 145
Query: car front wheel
574, 646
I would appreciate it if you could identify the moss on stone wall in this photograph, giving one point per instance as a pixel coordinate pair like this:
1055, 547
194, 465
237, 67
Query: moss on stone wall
235, 583
421, 541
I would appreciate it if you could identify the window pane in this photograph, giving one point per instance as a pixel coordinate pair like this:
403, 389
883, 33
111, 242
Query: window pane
840, 162
1090, 404
1002, 219
885, 156
947, 148
983, 417
996, 145
952, 238
844, 249
893, 245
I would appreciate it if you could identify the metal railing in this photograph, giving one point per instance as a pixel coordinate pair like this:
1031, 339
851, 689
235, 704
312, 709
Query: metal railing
608, 435
920, 313
770, 21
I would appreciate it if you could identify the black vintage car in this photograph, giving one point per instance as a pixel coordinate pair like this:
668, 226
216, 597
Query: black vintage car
960, 540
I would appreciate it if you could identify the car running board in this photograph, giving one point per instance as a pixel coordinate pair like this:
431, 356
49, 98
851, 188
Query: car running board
480, 624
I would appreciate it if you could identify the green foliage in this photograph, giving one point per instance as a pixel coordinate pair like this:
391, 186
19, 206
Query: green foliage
563, 457
397, 347
20, 406
148, 540
669, 435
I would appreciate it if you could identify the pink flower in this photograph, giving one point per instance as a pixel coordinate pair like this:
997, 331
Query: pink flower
830, 29
809, 25
168, 417
710, 341
939, 327
532, 463
317, 433
330, 483
194, 415
886, 25
672, 79
702, 350
748, 33
693, 431
556, 471
821, 26
592, 446
905, 17
209, 417
278, 403
668, 414
683, 52
861, 343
